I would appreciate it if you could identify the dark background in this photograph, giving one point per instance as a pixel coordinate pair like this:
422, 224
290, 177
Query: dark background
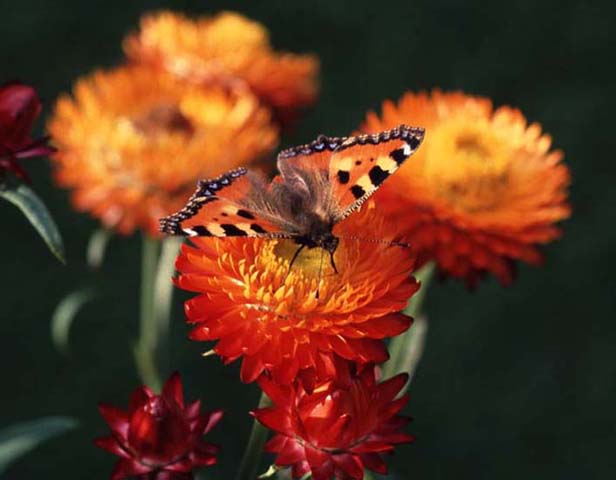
516, 383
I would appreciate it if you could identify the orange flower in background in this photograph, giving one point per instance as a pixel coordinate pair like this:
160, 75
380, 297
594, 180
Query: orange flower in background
484, 190
133, 142
230, 49
333, 431
301, 319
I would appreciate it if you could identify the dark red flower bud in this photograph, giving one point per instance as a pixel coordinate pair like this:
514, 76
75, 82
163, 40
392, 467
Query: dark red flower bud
19, 107
159, 438
335, 430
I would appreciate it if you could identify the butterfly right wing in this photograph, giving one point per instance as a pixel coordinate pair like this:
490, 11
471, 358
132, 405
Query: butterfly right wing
225, 207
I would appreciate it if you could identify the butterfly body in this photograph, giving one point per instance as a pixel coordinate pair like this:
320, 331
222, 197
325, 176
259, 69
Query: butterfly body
320, 184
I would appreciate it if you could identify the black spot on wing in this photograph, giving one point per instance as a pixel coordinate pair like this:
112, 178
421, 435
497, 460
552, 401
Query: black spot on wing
246, 214
377, 175
257, 228
343, 177
232, 231
399, 156
201, 231
414, 142
357, 191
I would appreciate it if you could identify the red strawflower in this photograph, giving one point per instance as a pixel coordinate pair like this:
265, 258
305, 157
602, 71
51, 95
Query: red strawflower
19, 107
335, 431
159, 438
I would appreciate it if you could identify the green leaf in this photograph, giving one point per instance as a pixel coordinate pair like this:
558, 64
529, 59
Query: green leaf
19, 439
95, 253
65, 313
36, 212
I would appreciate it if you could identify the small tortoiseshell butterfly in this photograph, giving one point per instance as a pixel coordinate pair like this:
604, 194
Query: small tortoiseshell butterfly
320, 184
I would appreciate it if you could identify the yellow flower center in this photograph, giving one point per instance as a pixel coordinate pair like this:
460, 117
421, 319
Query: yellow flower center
290, 293
467, 164
310, 261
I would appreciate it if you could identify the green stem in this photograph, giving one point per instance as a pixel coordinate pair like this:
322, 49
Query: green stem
252, 455
405, 350
146, 347
163, 297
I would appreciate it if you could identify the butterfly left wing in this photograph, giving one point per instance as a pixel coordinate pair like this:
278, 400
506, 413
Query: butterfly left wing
362, 163
224, 207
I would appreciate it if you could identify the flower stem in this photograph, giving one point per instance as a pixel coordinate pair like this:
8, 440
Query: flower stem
145, 349
163, 298
252, 455
405, 350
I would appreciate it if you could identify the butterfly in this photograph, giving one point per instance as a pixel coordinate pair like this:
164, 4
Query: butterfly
320, 184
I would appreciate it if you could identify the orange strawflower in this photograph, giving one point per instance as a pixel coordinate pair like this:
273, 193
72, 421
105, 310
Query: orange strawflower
289, 321
133, 142
229, 49
483, 191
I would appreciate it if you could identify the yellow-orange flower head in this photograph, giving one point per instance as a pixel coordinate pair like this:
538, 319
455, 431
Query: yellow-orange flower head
484, 190
133, 142
229, 49
258, 308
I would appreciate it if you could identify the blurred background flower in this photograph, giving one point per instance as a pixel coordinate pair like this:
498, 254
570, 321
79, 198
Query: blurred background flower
133, 142
335, 432
484, 190
227, 49
159, 437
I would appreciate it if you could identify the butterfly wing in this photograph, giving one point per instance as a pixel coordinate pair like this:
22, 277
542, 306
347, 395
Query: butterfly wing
360, 164
229, 205
301, 166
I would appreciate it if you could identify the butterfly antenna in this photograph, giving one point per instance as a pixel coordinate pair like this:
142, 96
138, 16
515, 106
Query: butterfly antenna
295, 255
331, 258
391, 243
320, 273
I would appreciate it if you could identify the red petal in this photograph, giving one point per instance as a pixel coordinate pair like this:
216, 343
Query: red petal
349, 464
316, 457
390, 388
280, 395
19, 107
214, 418
275, 420
192, 410
140, 396
173, 389
182, 466
111, 445
374, 462
299, 470
292, 453
116, 419
128, 468
251, 369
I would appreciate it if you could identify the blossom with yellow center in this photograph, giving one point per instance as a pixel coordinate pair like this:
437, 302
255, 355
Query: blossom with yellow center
286, 319
133, 142
226, 49
484, 190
